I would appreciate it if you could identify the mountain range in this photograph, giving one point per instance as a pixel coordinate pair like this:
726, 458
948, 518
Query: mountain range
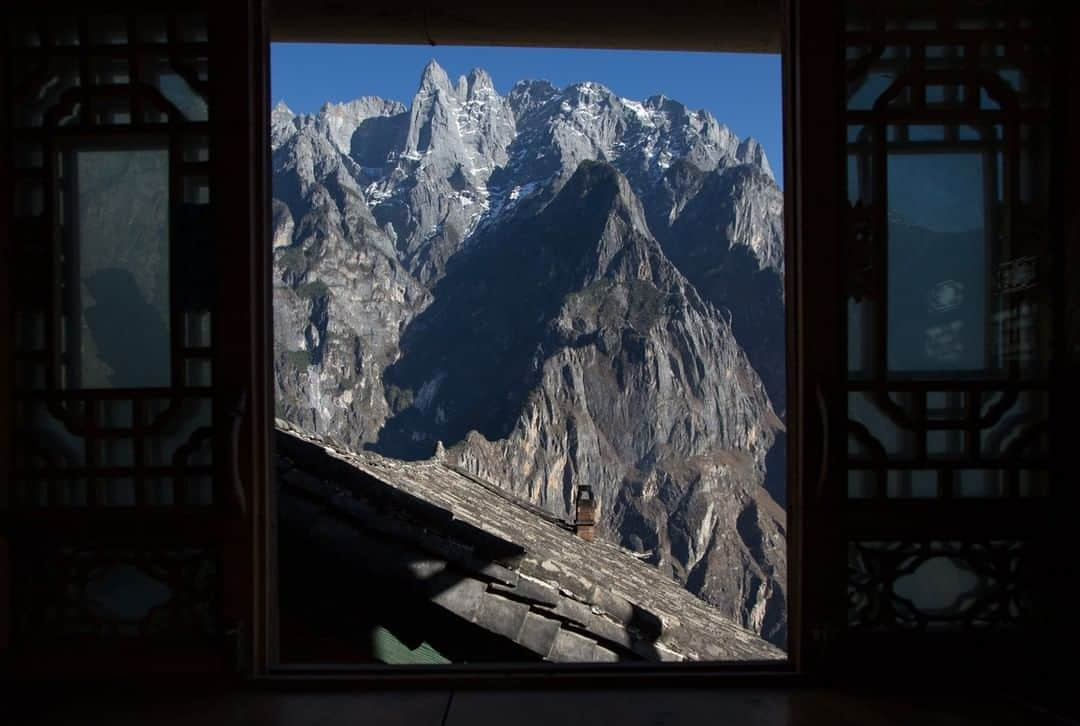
557, 287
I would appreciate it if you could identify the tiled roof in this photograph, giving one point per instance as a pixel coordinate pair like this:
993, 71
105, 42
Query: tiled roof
507, 566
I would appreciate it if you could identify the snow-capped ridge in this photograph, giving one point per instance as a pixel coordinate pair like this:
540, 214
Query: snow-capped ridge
461, 154
281, 110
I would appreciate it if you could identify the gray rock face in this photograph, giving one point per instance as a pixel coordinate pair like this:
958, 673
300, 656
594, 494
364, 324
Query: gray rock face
565, 287
341, 298
690, 211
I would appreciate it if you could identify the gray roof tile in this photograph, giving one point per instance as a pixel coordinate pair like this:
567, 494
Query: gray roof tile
538, 633
501, 563
502, 616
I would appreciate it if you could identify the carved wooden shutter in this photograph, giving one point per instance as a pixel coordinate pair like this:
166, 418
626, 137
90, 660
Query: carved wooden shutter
941, 473
136, 394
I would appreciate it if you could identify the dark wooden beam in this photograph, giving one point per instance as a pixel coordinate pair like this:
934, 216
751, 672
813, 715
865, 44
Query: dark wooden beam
813, 202
240, 150
743, 26
6, 346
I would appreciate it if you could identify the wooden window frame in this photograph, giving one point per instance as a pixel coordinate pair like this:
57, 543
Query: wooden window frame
802, 88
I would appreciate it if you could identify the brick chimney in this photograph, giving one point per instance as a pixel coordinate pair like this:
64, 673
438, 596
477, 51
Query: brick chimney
585, 513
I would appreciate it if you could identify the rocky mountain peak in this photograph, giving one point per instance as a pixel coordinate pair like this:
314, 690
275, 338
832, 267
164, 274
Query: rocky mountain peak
601, 186
479, 84
433, 78
660, 102
751, 152
339, 121
468, 126
281, 110
589, 92
282, 124
528, 96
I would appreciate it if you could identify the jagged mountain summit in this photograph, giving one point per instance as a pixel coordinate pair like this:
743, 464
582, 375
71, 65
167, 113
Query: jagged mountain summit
564, 286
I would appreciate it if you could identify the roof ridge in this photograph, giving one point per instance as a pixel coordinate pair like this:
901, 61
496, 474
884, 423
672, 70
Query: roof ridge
490, 486
506, 495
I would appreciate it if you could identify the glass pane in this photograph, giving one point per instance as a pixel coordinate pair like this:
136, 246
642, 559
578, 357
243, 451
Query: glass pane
28, 156
859, 251
197, 373
196, 190
24, 33
1011, 425
47, 92
946, 405
860, 148
110, 111
52, 436
871, 73
979, 483
168, 595
119, 492
65, 31
160, 73
109, 70
916, 484
152, 29
860, 338
29, 198
945, 444
115, 414
70, 493
937, 585
159, 492
121, 250
1034, 483
108, 29
197, 149
116, 453
937, 262
29, 331
861, 484
125, 593
866, 410
173, 425
192, 28
199, 491
862, 95
197, 329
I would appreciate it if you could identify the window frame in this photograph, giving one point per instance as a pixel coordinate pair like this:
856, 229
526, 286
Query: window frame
800, 82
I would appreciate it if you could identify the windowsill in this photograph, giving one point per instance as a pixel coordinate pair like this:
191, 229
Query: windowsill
773, 704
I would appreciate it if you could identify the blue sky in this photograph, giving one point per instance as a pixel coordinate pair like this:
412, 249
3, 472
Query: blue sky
741, 90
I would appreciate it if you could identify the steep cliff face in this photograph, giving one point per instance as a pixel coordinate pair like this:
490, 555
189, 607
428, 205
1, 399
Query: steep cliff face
341, 298
724, 229
564, 287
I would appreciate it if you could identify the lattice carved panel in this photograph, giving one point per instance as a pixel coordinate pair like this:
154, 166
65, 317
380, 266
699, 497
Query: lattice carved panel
937, 585
112, 329
950, 302
170, 593
144, 451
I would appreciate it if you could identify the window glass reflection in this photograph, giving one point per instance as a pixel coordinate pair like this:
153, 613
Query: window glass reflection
937, 289
120, 259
